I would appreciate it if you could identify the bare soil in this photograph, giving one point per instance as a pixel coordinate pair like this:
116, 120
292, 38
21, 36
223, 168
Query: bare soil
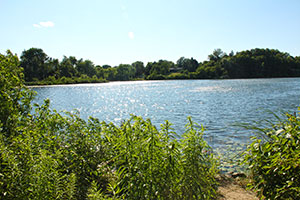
234, 189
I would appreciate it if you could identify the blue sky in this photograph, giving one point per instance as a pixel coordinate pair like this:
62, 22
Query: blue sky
124, 31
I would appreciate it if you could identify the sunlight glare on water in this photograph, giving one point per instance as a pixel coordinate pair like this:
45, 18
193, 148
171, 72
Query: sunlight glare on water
216, 104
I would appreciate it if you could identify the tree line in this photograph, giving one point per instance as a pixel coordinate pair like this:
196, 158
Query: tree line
39, 68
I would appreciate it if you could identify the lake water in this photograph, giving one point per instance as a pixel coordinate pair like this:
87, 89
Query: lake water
216, 104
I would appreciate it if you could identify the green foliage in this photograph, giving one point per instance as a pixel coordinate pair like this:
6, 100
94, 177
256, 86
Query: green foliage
187, 64
199, 166
67, 67
178, 76
274, 160
139, 69
125, 72
14, 98
35, 64
98, 160
86, 68
155, 76
217, 55
39, 69
162, 67
152, 164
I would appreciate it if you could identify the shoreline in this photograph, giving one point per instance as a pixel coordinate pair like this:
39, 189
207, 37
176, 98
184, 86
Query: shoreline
144, 80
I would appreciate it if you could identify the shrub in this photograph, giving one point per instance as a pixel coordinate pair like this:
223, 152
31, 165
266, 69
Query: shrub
29, 166
178, 76
15, 99
152, 164
274, 160
156, 77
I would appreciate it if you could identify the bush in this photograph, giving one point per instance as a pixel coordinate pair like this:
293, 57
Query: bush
274, 160
156, 77
178, 76
152, 164
15, 99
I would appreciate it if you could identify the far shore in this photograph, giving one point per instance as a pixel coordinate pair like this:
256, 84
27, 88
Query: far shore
142, 80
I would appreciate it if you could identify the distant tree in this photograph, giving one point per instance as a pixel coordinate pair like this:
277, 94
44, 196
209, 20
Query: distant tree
180, 62
110, 73
139, 69
254, 63
260, 63
34, 64
53, 67
125, 72
148, 68
86, 67
211, 70
187, 64
67, 67
106, 66
73, 60
158, 70
216, 55
163, 67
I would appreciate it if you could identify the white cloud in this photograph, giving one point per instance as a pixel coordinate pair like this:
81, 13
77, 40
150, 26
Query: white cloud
36, 26
44, 24
131, 35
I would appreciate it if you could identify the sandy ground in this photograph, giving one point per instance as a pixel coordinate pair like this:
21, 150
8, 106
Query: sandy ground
231, 189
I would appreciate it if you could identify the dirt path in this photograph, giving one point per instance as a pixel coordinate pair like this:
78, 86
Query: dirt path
231, 189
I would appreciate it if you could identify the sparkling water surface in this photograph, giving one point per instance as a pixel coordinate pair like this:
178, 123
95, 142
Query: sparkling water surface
216, 104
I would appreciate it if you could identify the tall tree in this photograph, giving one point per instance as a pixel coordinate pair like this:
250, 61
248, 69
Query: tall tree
139, 69
216, 55
187, 64
67, 66
125, 72
162, 67
33, 62
86, 67
110, 73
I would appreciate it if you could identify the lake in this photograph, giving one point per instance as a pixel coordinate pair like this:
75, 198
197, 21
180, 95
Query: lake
216, 104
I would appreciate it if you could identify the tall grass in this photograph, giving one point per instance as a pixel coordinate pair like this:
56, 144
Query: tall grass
63, 156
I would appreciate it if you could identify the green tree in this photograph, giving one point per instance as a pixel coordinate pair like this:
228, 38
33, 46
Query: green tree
216, 55
187, 64
106, 66
67, 67
139, 69
110, 73
53, 67
148, 68
156, 69
125, 72
33, 61
86, 67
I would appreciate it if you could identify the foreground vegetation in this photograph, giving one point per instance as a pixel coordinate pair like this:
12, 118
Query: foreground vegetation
274, 159
254, 63
48, 155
